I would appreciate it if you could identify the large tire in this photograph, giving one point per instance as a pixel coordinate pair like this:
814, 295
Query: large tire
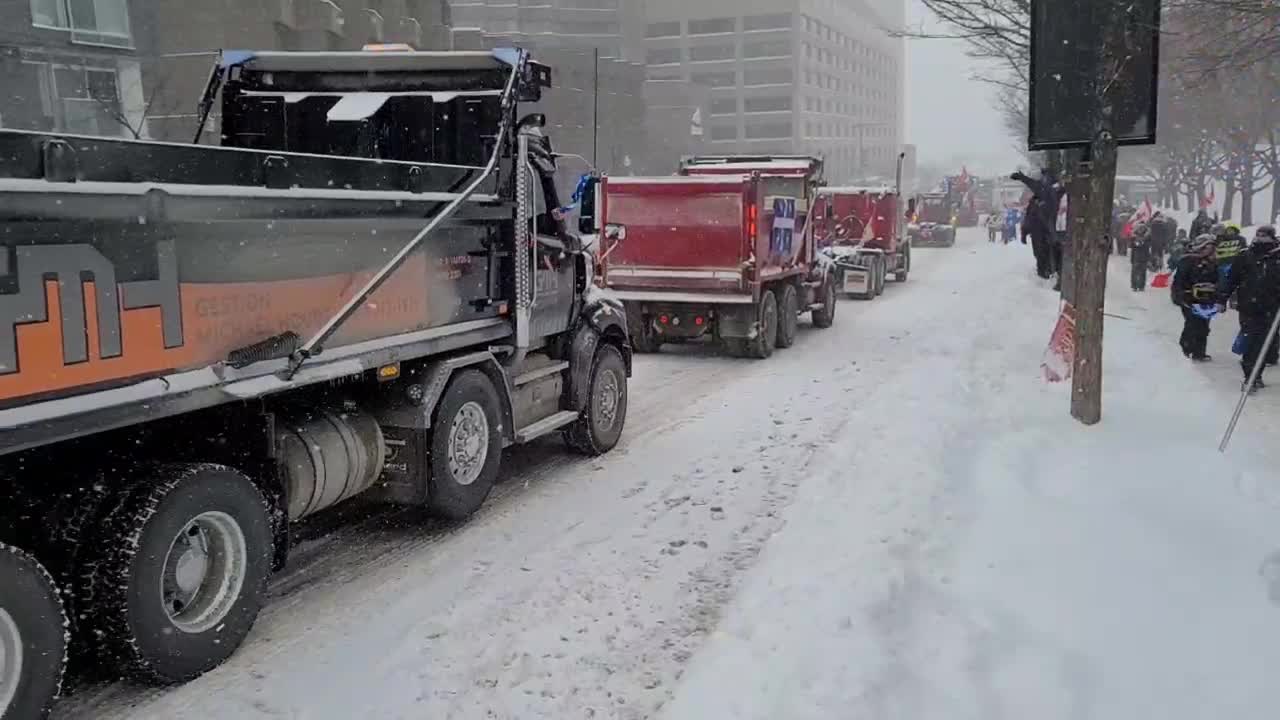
466, 446
788, 317
599, 427
33, 647
73, 517
762, 345
901, 275
825, 316
882, 272
178, 572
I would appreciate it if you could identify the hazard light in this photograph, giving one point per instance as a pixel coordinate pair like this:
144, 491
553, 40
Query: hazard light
388, 47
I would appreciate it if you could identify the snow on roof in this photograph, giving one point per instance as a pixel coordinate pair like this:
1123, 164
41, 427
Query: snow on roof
91, 187
365, 61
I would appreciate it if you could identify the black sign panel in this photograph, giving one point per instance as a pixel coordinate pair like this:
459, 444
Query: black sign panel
1067, 81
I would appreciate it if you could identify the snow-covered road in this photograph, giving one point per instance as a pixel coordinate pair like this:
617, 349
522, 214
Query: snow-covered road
894, 519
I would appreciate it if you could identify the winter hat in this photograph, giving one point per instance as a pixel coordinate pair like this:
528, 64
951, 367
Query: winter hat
1142, 230
1266, 233
1217, 229
1202, 243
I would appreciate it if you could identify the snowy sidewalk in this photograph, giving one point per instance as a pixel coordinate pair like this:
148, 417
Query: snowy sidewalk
972, 552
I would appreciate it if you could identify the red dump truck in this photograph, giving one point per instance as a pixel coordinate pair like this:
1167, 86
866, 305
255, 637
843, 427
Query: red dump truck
723, 250
201, 345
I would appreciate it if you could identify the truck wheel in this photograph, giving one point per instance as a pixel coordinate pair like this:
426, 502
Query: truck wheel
71, 518
882, 271
905, 267
178, 572
643, 339
466, 447
761, 346
825, 316
599, 428
33, 647
788, 317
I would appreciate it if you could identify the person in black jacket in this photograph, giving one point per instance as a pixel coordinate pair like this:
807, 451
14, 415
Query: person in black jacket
1255, 276
1163, 230
1042, 215
1201, 224
1140, 257
1195, 283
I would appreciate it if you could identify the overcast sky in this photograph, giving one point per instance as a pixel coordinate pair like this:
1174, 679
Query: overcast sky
950, 116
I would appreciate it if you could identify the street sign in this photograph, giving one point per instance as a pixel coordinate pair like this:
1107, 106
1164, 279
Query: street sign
1067, 79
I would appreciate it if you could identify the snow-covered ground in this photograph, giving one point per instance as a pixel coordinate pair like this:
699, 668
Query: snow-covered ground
894, 519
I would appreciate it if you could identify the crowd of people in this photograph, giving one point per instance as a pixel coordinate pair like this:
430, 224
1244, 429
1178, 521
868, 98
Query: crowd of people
1214, 268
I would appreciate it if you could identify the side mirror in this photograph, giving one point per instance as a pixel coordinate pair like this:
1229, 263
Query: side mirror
614, 231
831, 212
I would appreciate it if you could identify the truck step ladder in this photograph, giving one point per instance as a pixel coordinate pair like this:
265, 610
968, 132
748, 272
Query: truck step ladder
539, 373
546, 425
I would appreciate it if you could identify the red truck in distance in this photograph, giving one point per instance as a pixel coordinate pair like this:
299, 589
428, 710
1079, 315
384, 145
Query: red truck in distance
861, 230
723, 250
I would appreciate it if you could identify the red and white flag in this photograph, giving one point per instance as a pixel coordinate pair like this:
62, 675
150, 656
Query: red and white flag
1208, 200
1060, 356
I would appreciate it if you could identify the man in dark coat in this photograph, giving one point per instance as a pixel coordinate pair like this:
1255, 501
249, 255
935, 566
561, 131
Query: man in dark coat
1139, 257
1046, 194
1255, 275
1195, 284
1201, 224
1163, 230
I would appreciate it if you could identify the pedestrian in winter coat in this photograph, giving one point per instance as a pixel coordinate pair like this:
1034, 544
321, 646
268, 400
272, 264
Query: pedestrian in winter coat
1201, 224
1178, 249
1195, 283
1042, 215
1163, 230
995, 223
1230, 243
1255, 275
1140, 257
1012, 221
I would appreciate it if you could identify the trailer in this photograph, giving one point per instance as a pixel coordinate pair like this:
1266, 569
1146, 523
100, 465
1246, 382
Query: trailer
366, 290
723, 250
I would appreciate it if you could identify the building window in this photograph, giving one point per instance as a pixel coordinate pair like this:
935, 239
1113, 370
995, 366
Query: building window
724, 132
705, 53
664, 29
716, 79
92, 22
663, 56
766, 22
767, 76
767, 104
777, 48
727, 106
711, 27
769, 130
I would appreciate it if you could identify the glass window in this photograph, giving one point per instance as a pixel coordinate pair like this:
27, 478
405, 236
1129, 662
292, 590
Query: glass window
776, 48
767, 104
724, 132
716, 79
703, 53
664, 29
767, 22
767, 76
769, 130
663, 56
711, 27
50, 13
100, 22
726, 106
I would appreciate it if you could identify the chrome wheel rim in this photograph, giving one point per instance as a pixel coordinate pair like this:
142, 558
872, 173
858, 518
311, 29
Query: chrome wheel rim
468, 443
204, 572
608, 398
10, 660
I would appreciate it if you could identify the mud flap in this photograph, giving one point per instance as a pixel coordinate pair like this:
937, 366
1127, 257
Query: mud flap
582, 357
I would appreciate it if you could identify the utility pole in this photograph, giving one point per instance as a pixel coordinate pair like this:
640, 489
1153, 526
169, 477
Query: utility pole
595, 109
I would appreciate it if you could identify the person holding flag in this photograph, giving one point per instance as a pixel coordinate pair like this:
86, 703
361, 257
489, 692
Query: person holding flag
1194, 288
1255, 275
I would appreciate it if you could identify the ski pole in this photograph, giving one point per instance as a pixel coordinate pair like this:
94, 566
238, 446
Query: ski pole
1253, 377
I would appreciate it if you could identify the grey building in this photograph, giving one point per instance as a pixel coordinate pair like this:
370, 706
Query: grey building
72, 66
790, 76
614, 27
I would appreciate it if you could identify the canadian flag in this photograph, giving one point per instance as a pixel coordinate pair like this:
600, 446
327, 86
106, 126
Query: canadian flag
1208, 200
1144, 213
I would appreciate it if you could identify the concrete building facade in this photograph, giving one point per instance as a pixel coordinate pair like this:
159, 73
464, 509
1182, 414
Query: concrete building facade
614, 27
790, 76
72, 66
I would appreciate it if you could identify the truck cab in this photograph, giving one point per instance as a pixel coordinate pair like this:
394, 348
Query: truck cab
934, 221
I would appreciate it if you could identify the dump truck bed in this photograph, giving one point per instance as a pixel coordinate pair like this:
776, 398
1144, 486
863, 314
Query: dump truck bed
136, 276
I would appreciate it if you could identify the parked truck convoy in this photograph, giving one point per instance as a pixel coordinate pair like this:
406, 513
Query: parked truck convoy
724, 250
366, 290
933, 222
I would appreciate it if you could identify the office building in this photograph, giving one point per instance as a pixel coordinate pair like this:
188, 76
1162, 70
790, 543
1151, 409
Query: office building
790, 76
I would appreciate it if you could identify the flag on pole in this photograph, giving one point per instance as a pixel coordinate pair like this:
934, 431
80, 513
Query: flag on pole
1208, 200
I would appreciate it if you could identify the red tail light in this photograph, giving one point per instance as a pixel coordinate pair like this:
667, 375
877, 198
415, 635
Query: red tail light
698, 321
752, 215
663, 319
